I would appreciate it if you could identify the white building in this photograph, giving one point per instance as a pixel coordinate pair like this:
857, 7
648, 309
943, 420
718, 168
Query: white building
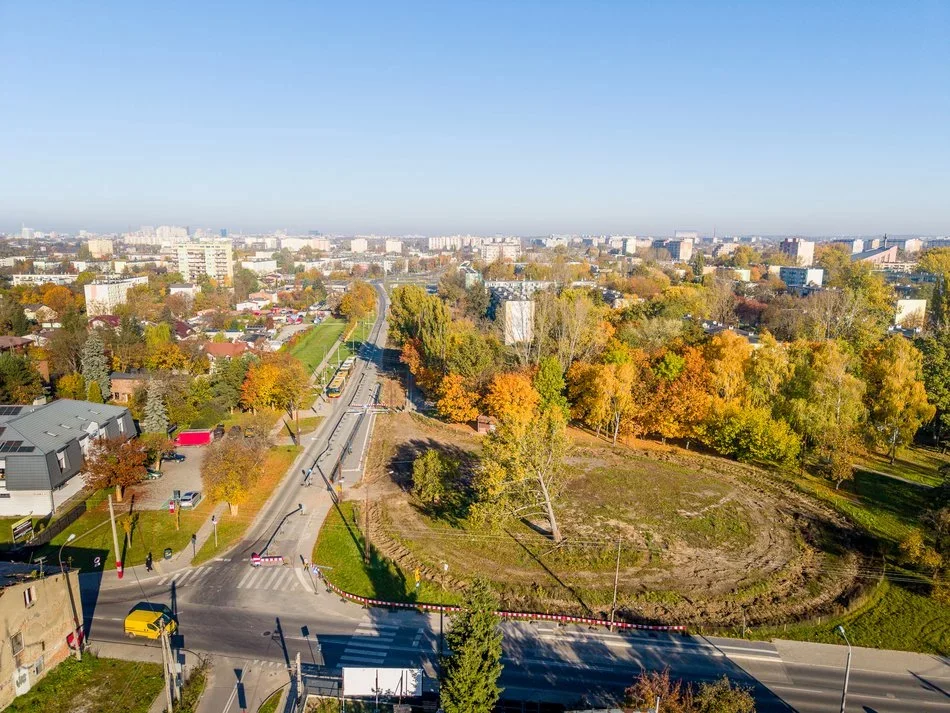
261, 267
358, 245
187, 289
910, 313
503, 251
171, 232
43, 279
798, 277
394, 246
445, 242
196, 260
100, 248
802, 251
519, 321
103, 296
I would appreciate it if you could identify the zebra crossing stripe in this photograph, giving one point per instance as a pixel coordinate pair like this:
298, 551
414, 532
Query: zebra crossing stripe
245, 578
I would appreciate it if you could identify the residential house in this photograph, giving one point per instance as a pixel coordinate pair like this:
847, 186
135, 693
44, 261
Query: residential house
124, 386
14, 344
42, 450
41, 614
217, 351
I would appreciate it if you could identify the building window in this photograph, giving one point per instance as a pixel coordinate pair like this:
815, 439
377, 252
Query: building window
29, 596
16, 641
38, 666
121, 422
63, 462
3, 471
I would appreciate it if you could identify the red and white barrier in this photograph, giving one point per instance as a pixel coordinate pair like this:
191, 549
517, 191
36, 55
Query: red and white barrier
265, 560
530, 616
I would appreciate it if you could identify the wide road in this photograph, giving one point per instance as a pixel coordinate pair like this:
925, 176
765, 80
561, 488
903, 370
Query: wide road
266, 615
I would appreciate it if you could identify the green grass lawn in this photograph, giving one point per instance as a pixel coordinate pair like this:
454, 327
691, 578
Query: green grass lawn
270, 705
340, 546
313, 345
888, 509
95, 685
892, 617
348, 348
232, 527
154, 530
918, 464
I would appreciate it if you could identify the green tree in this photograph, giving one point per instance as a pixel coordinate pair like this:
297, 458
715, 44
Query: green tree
935, 350
95, 365
20, 383
94, 393
722, 697
434, 477
470, 673
896, 397
550, 385
71, 386
227, 380
156, 415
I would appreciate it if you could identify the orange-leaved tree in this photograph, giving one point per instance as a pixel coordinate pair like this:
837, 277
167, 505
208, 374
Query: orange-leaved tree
277, 381
511, 396
457, 400
115, 463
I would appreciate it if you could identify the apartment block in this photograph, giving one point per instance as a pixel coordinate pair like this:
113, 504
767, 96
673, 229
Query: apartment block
103, 296
802, 251
213, 259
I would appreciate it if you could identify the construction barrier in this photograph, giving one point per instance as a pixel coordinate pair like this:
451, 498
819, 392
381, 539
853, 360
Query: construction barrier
529, 616
265, 560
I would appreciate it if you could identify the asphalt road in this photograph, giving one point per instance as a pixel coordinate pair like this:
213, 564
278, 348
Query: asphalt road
267, 615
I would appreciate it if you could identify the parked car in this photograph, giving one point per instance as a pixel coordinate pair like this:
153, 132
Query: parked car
218, 431
152, 474
235, 432
173, 456
190, 499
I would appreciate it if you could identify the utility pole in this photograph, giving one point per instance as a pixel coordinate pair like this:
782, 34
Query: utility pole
166, 669
847, 670
366, 523
214, 526
613, 606
115, 539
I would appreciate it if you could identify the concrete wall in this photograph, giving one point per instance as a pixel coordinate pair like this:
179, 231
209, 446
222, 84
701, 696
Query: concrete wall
43, 627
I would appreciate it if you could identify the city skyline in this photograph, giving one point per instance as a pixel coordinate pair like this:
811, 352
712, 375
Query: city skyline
530, 119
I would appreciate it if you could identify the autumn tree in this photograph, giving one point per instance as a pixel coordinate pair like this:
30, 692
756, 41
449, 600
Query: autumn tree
896, 397
358, 302
277, 381
457, 402
115, 463
550, 385
521, 473
94, 393
681, 398
71, 386
511, 396
229, 469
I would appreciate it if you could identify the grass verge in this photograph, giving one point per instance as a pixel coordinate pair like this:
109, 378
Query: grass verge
313, 346
893, 616
340, 546
918, 464
232, 527
193, 689
97, 685
270, 705
151, 531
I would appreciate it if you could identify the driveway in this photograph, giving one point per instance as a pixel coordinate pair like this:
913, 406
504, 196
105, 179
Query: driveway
155, 494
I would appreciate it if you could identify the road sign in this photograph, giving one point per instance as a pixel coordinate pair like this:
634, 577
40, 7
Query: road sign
23, 529
171, 506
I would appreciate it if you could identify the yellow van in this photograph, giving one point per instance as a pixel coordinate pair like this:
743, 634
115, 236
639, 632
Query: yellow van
142, 622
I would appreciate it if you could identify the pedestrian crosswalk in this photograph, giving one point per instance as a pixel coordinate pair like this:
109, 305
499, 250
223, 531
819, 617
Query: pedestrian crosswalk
369, 644
270, 578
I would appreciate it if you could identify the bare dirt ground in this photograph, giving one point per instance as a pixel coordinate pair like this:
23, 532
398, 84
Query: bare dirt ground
703, 539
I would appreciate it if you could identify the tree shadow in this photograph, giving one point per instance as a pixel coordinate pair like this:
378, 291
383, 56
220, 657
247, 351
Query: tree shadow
574, 593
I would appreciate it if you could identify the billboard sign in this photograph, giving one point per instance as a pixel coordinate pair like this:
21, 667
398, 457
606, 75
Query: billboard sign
23, 529
382, 681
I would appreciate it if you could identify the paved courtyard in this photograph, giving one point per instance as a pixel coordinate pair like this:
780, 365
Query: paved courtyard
155, 494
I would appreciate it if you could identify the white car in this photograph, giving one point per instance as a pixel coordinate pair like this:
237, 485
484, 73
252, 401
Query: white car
190, 499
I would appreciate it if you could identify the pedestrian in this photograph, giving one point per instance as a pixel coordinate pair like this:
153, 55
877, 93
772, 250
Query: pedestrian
148, 562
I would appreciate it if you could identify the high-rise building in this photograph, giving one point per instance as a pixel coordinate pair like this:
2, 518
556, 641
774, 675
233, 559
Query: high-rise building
100, 247
103, 296
358, 245
802, 251
195, 260
393, 246
223, 232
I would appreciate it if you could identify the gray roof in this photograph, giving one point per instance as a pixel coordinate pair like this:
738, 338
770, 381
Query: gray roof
51, 427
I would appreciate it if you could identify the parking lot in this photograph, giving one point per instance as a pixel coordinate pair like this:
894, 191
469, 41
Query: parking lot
155, 494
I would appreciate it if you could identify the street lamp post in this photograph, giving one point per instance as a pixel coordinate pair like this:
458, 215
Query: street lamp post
77, 632
847, 670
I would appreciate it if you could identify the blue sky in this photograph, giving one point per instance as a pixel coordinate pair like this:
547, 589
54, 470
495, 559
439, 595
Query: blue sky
524, 117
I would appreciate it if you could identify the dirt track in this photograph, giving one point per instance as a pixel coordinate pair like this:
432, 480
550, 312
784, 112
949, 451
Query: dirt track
792, 557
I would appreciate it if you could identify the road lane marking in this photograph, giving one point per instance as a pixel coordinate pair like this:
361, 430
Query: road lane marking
244, 579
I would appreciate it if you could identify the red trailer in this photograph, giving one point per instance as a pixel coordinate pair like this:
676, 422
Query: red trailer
198, 437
